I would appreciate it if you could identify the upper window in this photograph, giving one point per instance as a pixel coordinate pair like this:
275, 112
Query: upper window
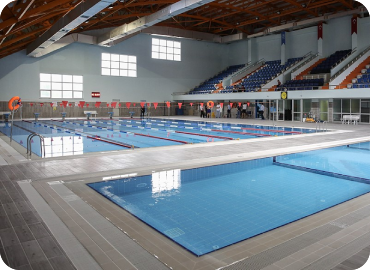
60, 86
166, 49
118, 65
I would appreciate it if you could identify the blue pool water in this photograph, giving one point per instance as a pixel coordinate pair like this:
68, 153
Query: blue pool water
208, 208
108, 135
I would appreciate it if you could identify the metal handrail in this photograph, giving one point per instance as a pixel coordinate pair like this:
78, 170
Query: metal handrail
29, 144
306, 61
349, 64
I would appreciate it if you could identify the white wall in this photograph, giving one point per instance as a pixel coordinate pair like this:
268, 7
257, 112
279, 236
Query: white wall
337, 35
301, 42
156, 81
363, 26
237, 53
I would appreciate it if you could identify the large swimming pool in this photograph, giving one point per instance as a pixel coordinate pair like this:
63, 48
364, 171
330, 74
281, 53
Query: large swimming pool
205, 209
73, 137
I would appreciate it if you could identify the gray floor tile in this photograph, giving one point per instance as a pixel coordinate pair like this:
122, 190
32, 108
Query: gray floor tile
38, 230
25, 267
42, 265
33, 251
8, 237
4, 223
10, 208
16, 256
16, 220
50, 248
24, 233
31, 217
3, 255
61, 263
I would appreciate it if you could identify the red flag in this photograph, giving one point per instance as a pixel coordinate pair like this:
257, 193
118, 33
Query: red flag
148, 104
231, 104
114, 104
128, 104
201, 104
81, 104
155, 105
51, 104
70, 104
240, 104
168, 104
41, 104
248, 104
354, 24
142, 104
31, 104
107, 104
319, 31
97, 104
222, 105
191, 104
64, 103
87, 105
180, 104
134, 104
119, 105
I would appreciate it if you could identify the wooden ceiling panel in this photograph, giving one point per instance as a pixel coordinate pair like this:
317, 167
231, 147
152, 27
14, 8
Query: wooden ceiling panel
23, 21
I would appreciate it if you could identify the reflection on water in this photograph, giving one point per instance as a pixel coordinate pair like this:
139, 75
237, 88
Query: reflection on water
63, 146
165, 182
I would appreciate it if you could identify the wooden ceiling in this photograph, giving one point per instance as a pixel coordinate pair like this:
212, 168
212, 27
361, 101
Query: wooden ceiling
22, 21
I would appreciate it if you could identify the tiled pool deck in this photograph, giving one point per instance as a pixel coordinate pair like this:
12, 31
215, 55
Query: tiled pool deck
46, 206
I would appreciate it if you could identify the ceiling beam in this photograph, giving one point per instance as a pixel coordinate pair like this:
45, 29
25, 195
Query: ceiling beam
66, 24
147, 21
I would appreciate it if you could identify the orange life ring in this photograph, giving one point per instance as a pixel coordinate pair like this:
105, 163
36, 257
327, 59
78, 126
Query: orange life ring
210, 104
10, 103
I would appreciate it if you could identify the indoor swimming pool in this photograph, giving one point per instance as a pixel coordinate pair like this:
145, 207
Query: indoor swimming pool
72, 137
206, 209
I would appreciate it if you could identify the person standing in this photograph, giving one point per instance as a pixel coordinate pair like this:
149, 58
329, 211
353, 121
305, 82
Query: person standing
228, 111
201, 108
239, 108
244, 111
218, 110
262, 110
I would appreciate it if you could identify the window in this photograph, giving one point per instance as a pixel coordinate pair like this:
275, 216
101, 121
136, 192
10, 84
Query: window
118, 65
166, 49
60, 86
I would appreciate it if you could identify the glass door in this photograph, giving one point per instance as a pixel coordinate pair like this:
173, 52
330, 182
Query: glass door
297, 110
324, 108
280, 109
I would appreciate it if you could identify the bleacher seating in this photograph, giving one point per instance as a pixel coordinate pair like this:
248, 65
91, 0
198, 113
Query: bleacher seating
269, 71
363, 80
307, 84
209, 85
331, 61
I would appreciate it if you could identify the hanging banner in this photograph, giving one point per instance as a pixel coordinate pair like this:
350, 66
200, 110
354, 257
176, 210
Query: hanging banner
87, 105
319, 31
70, 104
155, 105
283, 38
81, 104
128, 104
134, 104
114, 104
31, 104
354, 25
168, 104
142, 104
97, 104
222, 105
180, 104
41, 104
191, 104
64, 103
107, 105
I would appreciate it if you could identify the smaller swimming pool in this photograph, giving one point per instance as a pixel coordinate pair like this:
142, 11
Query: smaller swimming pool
205, 209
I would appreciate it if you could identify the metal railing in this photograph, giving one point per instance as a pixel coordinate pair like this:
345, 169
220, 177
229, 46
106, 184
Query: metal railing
349, 64
306, 61
321, 126
29, 144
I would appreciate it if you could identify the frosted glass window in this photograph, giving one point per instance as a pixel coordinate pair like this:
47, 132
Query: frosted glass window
56, 78
61, 86
67, 94
45, 77
56, 86
77, 94
166, 49
45, 85
56, 94
118, 65
67, 86
105, 56
132, 73
67, 78
45, 94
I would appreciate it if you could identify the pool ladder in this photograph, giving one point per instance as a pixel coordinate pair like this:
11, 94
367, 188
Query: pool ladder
29, 145
321, 126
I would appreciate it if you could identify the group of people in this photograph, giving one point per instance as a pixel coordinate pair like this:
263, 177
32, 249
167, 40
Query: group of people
205, 110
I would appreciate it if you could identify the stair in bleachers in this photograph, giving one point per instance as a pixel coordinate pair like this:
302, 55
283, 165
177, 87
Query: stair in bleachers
308, 70
269, 71
326, 65
353, 74
211, 84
